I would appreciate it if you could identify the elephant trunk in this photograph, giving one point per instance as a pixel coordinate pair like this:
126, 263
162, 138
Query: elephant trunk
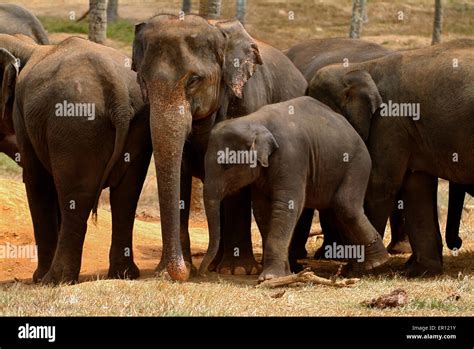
212, 204
170, 124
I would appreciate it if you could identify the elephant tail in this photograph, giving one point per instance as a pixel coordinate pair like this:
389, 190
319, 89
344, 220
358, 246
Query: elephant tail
121, 112
120, 139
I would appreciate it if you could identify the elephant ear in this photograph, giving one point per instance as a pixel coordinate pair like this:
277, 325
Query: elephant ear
10, 67
361, 99
241, 56
264, 143
137, 57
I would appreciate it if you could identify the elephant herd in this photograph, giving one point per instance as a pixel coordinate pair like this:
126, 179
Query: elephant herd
321, 126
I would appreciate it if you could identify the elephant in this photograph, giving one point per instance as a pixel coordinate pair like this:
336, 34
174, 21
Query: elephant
310, 56
429, 136
194, 74
81, 126
294, 154
16, 19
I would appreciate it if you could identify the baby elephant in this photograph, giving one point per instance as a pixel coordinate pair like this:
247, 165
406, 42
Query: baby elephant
295, 154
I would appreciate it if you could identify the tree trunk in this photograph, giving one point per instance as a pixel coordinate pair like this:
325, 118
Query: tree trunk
98, 20
438, 22
210, 8
112, 11
358, 14
186, 6
241, 4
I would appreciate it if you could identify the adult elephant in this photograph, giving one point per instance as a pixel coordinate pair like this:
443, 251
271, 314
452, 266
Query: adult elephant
431, 137
15, 19
195, 74
310, 56
81, 125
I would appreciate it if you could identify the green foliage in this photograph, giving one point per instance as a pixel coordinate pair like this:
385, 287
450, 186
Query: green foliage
121, 30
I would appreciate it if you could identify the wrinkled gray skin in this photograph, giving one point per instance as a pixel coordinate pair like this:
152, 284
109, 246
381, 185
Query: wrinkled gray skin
68, 160
310, 56
407, 152
300, 163
15, 19
195, 74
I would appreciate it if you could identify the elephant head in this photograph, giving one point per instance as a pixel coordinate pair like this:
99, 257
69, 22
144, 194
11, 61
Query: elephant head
353, 94
251, 142
187, 70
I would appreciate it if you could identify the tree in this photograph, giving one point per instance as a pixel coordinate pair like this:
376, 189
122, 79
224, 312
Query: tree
241, 4
210, 8
358, 15
186, 6
438, 22
112, 11
98, 20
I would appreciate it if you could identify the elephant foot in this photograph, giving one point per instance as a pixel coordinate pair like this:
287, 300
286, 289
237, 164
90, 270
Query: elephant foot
231, 265
454, 242
60, 275
160, 270
274, 270
399, 247
416, 268
375, 255
39, 273
125, 270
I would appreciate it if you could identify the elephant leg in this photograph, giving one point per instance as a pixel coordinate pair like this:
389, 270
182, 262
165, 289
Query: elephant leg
75, 209
331, 229
123, 202
456, 201
300, 236
43, 203
282, 225
348, 207
185, 206
389, 167
421, 221
237, 255
399, 241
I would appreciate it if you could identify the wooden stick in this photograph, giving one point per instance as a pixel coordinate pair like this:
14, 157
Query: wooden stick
306, 277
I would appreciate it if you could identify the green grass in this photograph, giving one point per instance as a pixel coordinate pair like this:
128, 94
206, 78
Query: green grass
122, 30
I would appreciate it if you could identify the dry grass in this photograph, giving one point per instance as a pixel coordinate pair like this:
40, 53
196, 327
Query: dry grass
232, 297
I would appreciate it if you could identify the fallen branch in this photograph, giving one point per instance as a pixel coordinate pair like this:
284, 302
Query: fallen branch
306, 277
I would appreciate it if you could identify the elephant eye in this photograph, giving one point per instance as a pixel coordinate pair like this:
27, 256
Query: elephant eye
194, 80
